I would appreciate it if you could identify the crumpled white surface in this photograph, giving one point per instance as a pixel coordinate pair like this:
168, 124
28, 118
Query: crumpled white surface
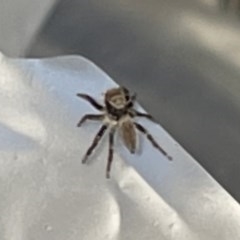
46, 193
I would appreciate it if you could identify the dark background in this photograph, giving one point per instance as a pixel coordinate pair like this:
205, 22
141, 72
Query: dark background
178, 56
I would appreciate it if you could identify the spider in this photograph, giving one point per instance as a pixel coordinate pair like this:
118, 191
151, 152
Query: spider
118, 113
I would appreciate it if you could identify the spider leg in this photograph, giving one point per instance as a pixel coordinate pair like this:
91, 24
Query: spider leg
95, 142
91, 101
90, 117
110, 152
131, 101
133, 97
151, 139
139, 114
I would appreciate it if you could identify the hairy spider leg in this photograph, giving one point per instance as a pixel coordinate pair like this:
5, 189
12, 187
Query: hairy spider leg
131, 101
151, 139
110, 152
134, 97
95, 142
95, 117
91, 100
139, 114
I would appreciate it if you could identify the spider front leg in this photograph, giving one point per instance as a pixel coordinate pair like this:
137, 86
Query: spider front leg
95, 117
110, 152
152, 140
95, 142
92, 101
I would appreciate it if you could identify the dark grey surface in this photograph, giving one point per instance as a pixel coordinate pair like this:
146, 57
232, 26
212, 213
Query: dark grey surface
143, 46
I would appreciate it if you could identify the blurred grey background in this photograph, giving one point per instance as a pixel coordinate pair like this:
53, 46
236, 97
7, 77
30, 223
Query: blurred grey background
181, 57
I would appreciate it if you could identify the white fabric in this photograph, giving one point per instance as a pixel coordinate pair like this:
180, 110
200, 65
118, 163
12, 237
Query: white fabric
46, 193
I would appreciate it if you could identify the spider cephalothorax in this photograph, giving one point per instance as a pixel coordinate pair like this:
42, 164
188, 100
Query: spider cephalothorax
117, 103
118, 113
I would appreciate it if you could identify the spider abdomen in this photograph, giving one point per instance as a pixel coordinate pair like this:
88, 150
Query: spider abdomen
128, 133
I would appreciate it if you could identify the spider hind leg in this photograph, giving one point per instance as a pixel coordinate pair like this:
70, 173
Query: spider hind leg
152, 140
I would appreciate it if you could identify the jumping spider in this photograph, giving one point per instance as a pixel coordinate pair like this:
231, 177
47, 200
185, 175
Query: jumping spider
118, 112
